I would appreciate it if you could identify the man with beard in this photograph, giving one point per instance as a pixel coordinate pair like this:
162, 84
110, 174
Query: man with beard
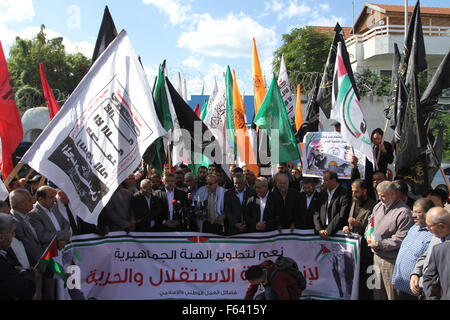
360, 211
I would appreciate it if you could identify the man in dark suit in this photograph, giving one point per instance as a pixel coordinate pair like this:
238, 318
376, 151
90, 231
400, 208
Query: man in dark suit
335, 206
260, 213
14, 284
147, 208
174, 203
309, 205
383, 152
235, 204
286, 202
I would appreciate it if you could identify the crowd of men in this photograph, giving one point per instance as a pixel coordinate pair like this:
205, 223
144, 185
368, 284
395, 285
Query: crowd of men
408, 246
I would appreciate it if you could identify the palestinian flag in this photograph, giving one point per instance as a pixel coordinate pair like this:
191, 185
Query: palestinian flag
53, 260
370, 229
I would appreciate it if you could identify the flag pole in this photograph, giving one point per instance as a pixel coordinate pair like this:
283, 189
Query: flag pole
45, 252
13, 173
382, 140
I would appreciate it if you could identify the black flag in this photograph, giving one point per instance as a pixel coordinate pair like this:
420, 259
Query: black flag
390, 111
187, 120
311, 122
435, 148
440, 82
413, 61
410, 163
325, 90
105, 36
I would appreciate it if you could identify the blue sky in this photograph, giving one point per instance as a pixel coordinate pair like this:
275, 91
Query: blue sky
199, 38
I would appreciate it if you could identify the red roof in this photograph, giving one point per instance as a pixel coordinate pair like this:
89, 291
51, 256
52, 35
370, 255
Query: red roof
423, 10
347, 30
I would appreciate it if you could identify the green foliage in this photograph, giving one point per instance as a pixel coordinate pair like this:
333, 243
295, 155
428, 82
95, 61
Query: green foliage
304, 50
370, 84
63, 71
443, 117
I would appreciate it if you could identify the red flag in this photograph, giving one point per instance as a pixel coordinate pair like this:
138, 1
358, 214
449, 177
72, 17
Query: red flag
197, 110
48, 94
51, 251
11, 131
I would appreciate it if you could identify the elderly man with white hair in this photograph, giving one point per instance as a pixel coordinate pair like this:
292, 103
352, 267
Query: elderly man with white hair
388, 225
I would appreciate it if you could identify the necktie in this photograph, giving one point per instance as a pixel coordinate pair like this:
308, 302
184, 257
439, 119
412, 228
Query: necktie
73, 225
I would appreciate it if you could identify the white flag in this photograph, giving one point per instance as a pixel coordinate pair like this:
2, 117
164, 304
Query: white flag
179, 86
179, 152
351, 116
185, 92
98, 137
215, 120
285, 89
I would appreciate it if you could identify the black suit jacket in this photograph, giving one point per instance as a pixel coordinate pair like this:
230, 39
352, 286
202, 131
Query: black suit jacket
305, 219
179, 195
144, 214
286, 209
253, 213
15, 285
234, 210
337, 211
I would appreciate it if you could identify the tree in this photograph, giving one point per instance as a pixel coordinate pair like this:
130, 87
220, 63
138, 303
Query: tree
304, 50
63, 71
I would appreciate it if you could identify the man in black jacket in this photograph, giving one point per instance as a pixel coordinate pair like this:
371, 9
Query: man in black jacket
260, 214
174, 202
309, 205
286, 202
235, 204
14, 284
336, 202
147, 208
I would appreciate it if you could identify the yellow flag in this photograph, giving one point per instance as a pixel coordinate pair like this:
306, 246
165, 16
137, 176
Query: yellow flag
298, 110
299, 114
244, 147
258, 82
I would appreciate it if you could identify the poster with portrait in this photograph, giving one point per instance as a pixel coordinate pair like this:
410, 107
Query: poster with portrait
329, 151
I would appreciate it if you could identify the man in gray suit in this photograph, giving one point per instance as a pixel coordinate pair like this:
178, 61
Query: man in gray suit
21, 204
47, 221
438, 222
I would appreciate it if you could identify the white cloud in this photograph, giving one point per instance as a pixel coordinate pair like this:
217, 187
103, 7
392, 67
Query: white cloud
229, 37
192, 62
295, 10
177, 11
324, 6
16, 11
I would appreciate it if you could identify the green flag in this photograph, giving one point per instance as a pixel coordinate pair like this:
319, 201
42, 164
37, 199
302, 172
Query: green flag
231, 138
204, 110
272, 115
163, 112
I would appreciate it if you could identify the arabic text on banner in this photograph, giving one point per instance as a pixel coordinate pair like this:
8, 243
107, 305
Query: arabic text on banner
205, 266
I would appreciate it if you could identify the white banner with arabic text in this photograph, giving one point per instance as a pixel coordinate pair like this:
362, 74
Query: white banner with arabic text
206, 266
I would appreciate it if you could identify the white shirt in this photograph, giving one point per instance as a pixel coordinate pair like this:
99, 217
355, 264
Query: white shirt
148, 198
262, 206
309, 198
241, 195
170, 196
19, 251
330, 195
51, 216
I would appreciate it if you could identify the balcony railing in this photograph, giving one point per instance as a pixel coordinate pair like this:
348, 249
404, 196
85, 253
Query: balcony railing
396, 30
